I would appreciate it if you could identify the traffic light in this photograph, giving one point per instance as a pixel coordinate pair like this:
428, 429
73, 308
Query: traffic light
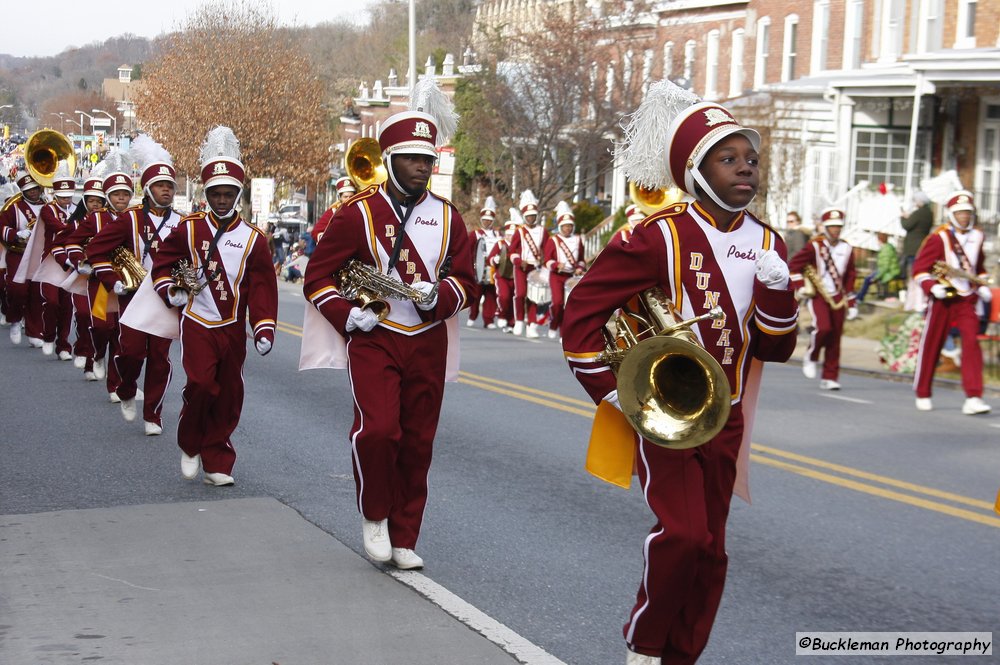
100, 141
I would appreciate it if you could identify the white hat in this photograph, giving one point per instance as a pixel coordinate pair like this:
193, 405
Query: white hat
63, 183
221, 159
155, 163
832, 217
564, 214
528, 203
489, 209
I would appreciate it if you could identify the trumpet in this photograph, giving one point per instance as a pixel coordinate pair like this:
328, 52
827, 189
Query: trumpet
814, 287
364, 283
671, 390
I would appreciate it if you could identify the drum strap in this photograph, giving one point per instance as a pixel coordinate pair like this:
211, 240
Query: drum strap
567, 252
533, 246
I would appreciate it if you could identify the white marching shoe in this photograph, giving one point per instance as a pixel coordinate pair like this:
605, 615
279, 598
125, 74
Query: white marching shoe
100, 368
532, 330
376, 538
79, 362
634, 658
553, 334
405, 559
3, 321
470, 323
48, 348
113, 397
809, 368
974, 406
128, 409
66, 355
828, 384
218, 479
15, 332
152, 429
924, 404
190, 466
519, 328
89, 376
35, 343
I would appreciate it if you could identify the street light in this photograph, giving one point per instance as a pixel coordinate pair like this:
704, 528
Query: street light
62, 117
114, 120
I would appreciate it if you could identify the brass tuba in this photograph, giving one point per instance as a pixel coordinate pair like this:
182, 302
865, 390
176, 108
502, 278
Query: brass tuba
18, 246
651, 200
363, 163
42, 153
128, 268
671, 390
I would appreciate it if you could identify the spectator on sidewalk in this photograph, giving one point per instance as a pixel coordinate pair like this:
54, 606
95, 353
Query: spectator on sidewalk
886, 269
795, 237
918, 225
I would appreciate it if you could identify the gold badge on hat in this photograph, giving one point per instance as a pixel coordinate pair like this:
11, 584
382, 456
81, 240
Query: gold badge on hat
220, 169
422, 130
715, 116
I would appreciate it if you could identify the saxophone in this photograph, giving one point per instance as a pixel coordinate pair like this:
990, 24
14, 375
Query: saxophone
186, 277
17, 246
814, 287
364, 283
128, 268
943, 272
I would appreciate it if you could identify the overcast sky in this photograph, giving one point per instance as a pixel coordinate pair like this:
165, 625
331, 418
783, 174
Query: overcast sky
52, 26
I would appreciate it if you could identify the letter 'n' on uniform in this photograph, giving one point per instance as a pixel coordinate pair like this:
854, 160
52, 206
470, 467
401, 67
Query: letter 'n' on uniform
696, 261
711, 299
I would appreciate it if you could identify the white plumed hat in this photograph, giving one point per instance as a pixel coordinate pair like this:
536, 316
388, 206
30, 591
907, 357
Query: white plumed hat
221, 159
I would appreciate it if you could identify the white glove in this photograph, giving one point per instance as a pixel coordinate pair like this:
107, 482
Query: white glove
612, 399
985, 293
24, 234
177, 297
939, 291
120, 289
85, 269
852, 313
426, 288
772, 271
361, 319
263, 346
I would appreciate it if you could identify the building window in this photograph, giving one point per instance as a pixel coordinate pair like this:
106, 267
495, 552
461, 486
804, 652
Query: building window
668, 60
854, 15
760, 56
689, 49
880, 156
820, 36
736, 64
892, 23
627, 71
609, 82
712, 66
965, 27
647, 69
930, 27
790, 48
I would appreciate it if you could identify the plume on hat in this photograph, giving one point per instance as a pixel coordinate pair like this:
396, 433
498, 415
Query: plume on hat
527, 199
62, 171
563, 209
515, 216
7, 190
220, 142
430, 99
116, 161
146, 151
490, 205
643, 153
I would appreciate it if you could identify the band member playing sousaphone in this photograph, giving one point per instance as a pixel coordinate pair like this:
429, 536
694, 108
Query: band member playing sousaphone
117, 253
950, 269
564, 261
721, 270
527, 254
228, 283
827, 262
17, 220
483, 240
503, 272
398, 365
345, 190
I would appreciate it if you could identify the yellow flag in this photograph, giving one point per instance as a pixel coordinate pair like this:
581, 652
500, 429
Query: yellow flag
611, 453
100, 307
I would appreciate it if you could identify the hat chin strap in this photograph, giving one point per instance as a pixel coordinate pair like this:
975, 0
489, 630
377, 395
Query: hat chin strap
954, 222
392, 176
700, 179
232, 211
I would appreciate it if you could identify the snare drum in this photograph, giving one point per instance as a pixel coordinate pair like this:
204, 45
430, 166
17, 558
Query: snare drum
570, 283
539, 291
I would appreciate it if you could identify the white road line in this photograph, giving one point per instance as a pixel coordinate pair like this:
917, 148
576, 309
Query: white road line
847, 399
505, 638
995, 425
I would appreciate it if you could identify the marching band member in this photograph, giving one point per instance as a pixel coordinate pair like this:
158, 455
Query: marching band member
397, 366
57, 306
527, 254
833, 261
959, 245
345, 190
17, 220
633, 215
140, 230
7, 191
564, 259
483, 240
503, 273
232, 268
703, 252
116, 188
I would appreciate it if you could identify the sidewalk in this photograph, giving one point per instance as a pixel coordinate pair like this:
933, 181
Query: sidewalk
227, 582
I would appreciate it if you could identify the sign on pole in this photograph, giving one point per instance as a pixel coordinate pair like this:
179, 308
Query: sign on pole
261, 198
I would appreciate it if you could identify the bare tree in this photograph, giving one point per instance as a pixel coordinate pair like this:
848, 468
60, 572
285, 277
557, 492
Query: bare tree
232, 65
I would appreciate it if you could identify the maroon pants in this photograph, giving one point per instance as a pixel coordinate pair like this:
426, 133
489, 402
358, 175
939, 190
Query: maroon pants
104, 336
398, 385
505, 299
489, 296
3, 293
213, 395
134, 347
523, 308
33, 326
57, 316
17, 294
83, 347
942, 316
828, 328
685, 553
557, 282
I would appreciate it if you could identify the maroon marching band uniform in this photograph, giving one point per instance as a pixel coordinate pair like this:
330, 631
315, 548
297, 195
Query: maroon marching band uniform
397, 370
22, 305
136, 229
504, 285
528, 254
962, 250
698, 265
828, 323
488, 289
241, 285
103, 332
57, 305
563, 258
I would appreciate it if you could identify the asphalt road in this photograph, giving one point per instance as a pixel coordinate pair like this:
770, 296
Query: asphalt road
867, 515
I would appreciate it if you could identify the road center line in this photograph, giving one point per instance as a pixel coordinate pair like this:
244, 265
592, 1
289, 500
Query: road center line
846, 399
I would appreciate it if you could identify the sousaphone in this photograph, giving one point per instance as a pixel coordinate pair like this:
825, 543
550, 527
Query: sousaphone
42, 153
